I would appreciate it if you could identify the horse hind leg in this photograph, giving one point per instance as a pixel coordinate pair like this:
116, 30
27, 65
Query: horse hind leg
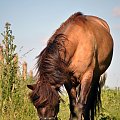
84, 91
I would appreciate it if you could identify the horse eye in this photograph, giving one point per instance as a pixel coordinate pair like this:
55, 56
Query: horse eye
41, 106
35, 97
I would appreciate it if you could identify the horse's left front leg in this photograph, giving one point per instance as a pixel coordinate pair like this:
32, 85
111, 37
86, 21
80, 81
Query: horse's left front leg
72, 99
84, 91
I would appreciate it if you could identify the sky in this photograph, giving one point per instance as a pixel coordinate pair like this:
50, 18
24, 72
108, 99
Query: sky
34, 21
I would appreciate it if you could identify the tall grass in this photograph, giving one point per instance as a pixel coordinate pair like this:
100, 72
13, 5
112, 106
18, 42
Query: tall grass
14, 105
8, 72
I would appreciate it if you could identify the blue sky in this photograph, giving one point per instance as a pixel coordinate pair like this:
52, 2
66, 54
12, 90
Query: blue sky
34, 21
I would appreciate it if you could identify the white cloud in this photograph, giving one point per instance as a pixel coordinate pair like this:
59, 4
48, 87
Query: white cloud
116, 12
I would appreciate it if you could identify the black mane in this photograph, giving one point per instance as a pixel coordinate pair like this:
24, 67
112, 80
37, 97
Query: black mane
51, 66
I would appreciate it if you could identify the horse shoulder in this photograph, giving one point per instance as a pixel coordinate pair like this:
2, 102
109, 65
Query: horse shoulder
83, 57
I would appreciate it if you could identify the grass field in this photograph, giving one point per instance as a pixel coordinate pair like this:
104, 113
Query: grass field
22, 108
110, 106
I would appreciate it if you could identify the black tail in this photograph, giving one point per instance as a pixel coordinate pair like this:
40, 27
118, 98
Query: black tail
94, 100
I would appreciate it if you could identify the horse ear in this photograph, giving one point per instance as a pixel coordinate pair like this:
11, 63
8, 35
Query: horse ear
31, 87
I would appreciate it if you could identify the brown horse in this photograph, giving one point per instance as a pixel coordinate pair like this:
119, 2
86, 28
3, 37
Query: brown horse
76, 55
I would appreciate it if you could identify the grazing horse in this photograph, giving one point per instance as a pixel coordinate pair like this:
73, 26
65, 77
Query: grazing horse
75, 56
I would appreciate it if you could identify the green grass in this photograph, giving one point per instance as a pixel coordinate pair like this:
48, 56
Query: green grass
64, 108
24, 110
110, 106
111, 102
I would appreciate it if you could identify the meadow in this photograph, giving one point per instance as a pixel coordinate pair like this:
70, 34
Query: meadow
22, 108
14, 94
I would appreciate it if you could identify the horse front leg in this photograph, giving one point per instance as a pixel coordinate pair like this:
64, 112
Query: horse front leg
72, 99
84, 91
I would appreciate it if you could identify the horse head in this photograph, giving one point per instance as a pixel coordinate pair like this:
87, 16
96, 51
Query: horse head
45, 99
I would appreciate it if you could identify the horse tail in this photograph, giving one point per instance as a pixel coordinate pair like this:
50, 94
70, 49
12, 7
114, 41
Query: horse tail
94, 100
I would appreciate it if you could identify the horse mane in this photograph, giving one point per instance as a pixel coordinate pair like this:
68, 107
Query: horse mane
51, 66
51, 72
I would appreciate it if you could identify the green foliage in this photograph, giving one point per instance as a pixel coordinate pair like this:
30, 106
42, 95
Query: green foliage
111, 103
8, 71
110, 110
64, 108
14, 102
